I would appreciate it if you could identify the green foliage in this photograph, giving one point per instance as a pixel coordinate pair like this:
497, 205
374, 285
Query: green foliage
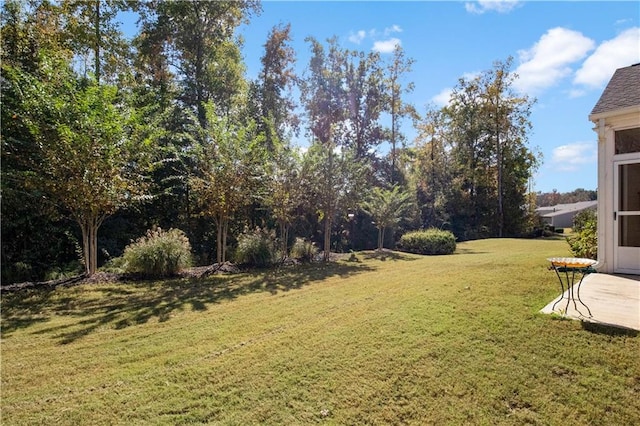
584, 219
487, 126
304, 250
430, 241
230, 171
159, 253
585, 241
257, 248
387, 207
72, 269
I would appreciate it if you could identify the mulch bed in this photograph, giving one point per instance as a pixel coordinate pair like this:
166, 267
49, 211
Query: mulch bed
110, 277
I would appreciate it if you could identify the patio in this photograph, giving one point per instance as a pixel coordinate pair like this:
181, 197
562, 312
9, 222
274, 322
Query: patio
614, 300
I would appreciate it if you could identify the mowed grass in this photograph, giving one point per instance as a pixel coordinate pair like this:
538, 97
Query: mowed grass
405, 340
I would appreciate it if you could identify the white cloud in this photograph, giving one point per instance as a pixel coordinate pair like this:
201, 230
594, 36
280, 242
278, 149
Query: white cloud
500, 6
443, 98
622, 51
386, 46
383, 46
576, 93
357, 37
569, 158
549, 60
392, 29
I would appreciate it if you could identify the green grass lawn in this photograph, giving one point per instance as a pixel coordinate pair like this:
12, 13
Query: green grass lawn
419, 340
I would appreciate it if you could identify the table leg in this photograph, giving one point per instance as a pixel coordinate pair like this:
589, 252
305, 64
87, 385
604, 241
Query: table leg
561, 286
579, 299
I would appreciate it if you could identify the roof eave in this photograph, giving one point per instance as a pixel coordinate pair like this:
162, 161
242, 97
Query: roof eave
614, 113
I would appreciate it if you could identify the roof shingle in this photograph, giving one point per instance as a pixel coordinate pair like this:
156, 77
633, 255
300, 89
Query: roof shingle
622, 91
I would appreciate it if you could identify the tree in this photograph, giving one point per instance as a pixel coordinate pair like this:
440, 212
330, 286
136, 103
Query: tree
399, 67
197, 40
507, 117
285, 194
487, 126
331, 180
229, 172
87, 162
322, 91
95, 37
387, 207
276, 106
364, 102
432, 169
471, 205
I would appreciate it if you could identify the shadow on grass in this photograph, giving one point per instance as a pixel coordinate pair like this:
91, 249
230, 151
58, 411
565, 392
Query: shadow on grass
385, 254
120, 305
465, 250
608, 329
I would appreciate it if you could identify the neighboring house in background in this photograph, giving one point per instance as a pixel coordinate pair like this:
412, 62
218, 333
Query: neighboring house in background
561, 215
617, 121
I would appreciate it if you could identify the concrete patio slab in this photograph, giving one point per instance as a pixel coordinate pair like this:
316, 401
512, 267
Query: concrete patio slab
614, 300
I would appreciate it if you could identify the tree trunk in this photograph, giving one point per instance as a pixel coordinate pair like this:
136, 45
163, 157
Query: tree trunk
219, 239
284, 235
327, 238
97, 45
225, 231
89, 227
393, 138
499, 160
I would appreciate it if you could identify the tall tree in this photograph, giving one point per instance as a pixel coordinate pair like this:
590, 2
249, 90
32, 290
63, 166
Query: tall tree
96, 38
488, 126
507, 116
397, 71
364, 102
432, 168
276, 106
197, 38
322, 90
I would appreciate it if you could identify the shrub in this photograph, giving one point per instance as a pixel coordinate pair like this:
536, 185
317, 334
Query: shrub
430, 241
159, 253
17, 272
304, 250
256, 248
584, 243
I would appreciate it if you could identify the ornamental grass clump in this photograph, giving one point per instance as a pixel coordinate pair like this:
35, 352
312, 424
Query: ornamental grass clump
159, 253
257, 248
303, 250
430, 241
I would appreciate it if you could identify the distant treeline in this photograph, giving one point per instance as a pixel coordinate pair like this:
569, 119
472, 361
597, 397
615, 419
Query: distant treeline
554, 197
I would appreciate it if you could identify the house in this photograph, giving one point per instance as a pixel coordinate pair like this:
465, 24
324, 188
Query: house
616, 116
561, 215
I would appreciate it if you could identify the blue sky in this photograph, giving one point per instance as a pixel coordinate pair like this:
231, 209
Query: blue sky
564, 52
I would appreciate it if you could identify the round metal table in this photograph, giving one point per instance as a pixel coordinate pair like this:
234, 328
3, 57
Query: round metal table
567, 269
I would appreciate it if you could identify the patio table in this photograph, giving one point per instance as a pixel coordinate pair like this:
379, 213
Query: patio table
567, 269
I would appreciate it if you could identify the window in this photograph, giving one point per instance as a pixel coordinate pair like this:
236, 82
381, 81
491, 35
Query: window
627, 141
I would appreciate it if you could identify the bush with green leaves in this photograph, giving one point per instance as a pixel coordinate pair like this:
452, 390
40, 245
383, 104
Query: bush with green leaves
304, 250
430, 241
584, 242
256, 248
159, 253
